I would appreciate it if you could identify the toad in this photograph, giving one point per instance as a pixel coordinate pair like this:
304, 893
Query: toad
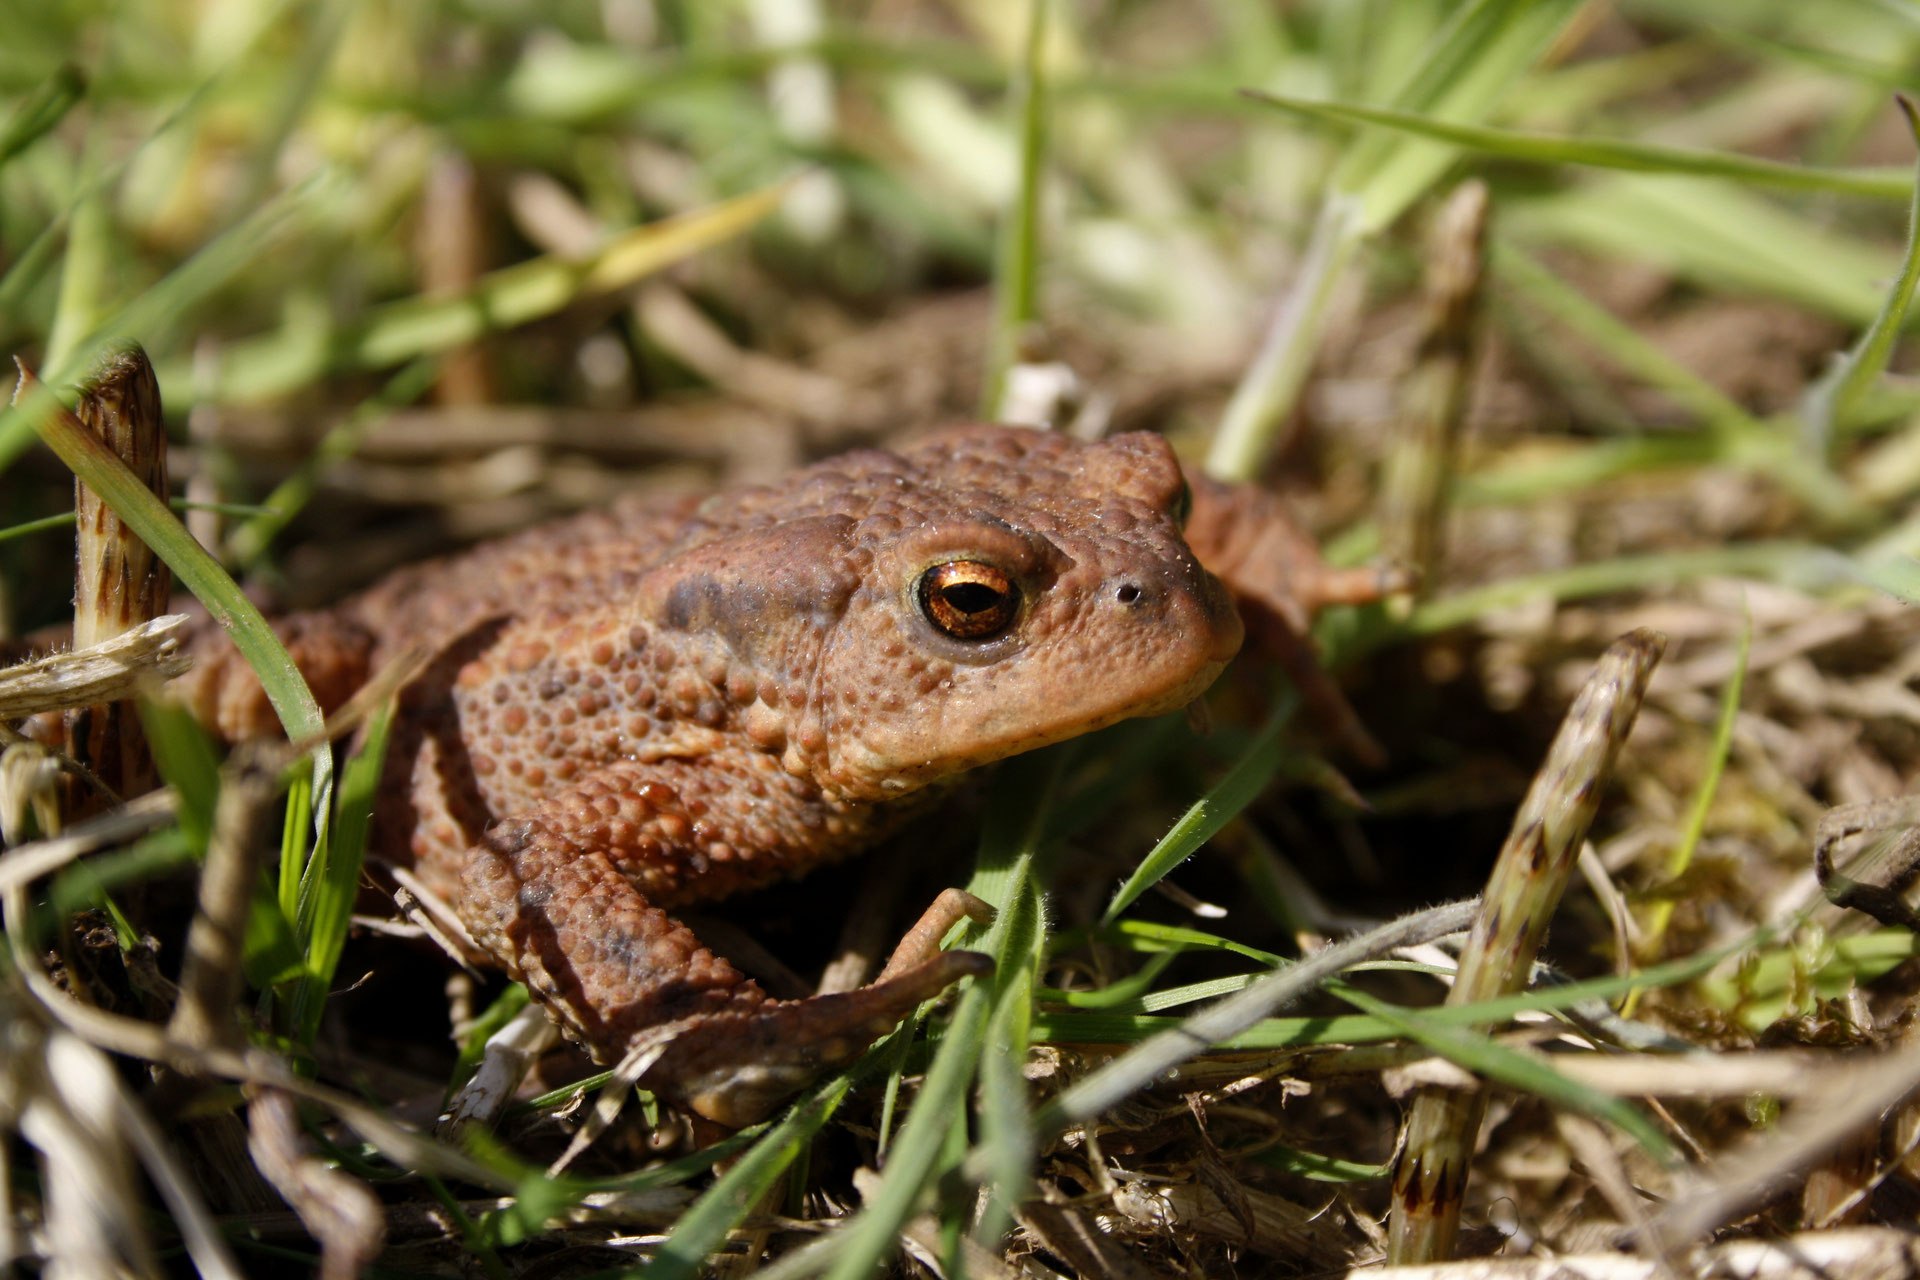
661, 704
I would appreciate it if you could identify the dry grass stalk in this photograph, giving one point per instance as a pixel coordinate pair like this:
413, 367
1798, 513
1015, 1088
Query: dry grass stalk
61, 1093
211, 977
29, 789
510, 1053
343, 1215
118, 581
1151, 1059
1071, 1234
452, 244
1233, 1213
1529, 877
135, 1038
66, 1099
1855, 1098
1433, 399
115, 668
1863, 1253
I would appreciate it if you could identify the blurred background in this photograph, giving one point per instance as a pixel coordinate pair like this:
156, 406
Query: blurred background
273, 197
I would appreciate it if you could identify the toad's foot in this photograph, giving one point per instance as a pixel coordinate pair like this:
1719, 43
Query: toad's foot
545, 895
735, 1068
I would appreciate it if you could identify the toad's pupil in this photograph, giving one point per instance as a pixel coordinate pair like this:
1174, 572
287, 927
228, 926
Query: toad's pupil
969, 599
972, 597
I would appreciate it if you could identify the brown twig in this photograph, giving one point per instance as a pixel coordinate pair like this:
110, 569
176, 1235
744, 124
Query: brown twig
1529, 877
118, 581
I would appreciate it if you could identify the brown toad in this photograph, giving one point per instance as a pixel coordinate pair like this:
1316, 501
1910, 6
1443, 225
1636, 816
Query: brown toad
661, 704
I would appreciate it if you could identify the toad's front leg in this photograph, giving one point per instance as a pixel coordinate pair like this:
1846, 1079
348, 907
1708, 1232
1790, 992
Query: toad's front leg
565, 898
1246, 538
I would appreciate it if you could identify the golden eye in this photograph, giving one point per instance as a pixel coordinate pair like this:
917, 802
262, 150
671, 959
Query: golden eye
969, 600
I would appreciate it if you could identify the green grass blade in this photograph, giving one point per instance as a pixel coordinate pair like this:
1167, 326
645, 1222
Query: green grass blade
1006, 1115
296, 854
497, 1015
1834, 397
1222, 803
1682, 855
1602, 153
1127, 992
271, 953
1625, 346
1318, 1168
1152, 935
1795, 563
1846, 66
319, 35
1741, 440
1014, 940
251, 541
83, 885
25, 270
702, 1229
1660, 911
1130, 998
1008, 850
331, 885
84, 271
261, 369
1715, 234
1470, 64
914, 1158
45, 524
184, 757
156, 309
1017, 266
1270, 1033
41, 110
1266, 394
1525, 1072
1769, 984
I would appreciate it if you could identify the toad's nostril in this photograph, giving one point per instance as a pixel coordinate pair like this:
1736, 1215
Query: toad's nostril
1127, 594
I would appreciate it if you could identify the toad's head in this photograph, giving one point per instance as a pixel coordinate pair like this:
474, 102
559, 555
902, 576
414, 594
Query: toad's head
988, 591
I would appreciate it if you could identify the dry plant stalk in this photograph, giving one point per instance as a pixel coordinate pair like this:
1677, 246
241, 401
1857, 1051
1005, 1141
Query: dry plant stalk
1433, 398
1529, 877
1855, 1099
1861, 1253
118, 581
338, 1209
116, 668
211, 977
452, 247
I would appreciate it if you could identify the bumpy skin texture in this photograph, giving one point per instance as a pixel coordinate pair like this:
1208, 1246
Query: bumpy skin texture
657, 705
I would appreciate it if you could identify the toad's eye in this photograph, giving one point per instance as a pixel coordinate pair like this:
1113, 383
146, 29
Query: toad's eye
969, 600
1183, 504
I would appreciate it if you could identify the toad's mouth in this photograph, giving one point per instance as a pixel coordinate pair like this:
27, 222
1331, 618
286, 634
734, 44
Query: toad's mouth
875, 769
